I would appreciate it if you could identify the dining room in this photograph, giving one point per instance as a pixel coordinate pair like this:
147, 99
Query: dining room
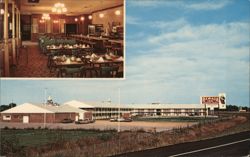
62, 39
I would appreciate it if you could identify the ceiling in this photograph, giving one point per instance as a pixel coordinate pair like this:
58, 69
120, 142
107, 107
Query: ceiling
74, 7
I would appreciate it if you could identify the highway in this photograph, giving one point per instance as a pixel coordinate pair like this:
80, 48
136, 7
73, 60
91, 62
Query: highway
228, 146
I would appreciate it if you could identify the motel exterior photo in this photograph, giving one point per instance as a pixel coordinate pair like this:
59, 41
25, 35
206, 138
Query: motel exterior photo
77, 110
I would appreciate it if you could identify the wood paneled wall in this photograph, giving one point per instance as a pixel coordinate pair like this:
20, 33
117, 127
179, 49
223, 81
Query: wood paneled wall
56, 25
109, 17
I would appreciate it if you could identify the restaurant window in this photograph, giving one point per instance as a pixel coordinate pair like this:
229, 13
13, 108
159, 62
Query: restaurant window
56, 26
34, 25
7, 117
42, 26
62, 22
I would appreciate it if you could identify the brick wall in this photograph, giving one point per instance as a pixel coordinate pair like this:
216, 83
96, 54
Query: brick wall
39, 117
60, 116
88, 115
33, 117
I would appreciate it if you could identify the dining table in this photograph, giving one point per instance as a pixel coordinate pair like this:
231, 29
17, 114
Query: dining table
67, 47
92, 62
116, 41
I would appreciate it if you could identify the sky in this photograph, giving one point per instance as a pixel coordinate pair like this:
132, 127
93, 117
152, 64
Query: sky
176, 51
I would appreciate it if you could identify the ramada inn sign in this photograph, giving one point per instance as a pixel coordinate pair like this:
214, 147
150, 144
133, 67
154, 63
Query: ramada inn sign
215, 101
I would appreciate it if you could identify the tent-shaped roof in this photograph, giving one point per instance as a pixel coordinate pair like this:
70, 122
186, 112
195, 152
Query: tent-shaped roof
27, 108
78, 104
61, 108
41, 108
68, 108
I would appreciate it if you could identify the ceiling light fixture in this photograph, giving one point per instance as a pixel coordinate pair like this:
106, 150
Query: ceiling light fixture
101, 15
59, 8
2, 11
117, 12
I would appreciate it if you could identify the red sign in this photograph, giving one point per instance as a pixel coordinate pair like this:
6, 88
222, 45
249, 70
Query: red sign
210, 100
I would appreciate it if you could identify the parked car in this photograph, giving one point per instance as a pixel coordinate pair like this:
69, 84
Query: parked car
67, 120
113, 120
128, 120
120, 120
85, 121
82, 121
92, 121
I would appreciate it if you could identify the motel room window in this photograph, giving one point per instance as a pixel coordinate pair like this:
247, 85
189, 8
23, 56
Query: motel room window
6, 117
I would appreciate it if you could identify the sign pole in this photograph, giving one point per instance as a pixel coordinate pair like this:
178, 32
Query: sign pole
45, 93
119, 118
205, 111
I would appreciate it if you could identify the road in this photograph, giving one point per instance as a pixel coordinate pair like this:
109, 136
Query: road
232, 145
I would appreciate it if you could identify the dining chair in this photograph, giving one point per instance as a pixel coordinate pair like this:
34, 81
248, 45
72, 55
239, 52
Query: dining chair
107, 46
51, 55
109, 71
72, 71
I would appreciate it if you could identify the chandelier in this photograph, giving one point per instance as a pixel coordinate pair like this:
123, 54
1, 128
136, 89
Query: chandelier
59, 8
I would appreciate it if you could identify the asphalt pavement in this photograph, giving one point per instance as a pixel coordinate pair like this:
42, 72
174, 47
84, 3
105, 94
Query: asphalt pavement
236, 145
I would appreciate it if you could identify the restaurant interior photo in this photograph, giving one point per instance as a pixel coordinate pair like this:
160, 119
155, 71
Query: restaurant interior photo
62, 38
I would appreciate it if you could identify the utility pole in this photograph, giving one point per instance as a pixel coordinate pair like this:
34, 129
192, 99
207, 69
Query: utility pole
205, 111
119, 118
45, 95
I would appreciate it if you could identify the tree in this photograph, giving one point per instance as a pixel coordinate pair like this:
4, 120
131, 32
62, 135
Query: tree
232, 108
246, 108
12, 105
6, 107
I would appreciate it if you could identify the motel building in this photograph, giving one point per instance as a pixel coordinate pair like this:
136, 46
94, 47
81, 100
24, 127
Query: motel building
78, 110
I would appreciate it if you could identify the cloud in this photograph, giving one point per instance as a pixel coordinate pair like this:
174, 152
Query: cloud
201, 5
201, 59
146, 3
230, 33
169, 25
209, 5
156, 24
132, 20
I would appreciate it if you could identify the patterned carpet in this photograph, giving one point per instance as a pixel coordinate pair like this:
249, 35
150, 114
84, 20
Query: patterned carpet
31, 63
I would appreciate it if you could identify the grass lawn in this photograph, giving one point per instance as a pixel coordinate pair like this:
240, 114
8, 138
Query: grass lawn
38, 137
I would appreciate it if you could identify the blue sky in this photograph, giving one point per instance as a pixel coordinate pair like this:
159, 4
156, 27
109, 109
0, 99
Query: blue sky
176, 51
